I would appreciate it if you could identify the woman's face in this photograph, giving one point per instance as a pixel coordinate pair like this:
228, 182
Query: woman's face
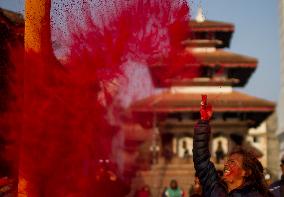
233, 170
173, 184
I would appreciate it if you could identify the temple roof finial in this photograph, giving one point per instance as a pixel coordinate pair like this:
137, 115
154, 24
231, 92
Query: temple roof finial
199, 16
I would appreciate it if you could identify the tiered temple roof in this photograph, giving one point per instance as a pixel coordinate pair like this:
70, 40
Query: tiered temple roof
11, 32
225, 59
11, 22
234, 102
190, 102
217, 67
212, 30
238, 69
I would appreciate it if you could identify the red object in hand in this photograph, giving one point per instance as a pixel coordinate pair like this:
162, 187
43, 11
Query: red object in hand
205, 109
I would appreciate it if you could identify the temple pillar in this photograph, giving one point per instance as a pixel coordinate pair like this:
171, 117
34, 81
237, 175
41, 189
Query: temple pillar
177, 145
167, 146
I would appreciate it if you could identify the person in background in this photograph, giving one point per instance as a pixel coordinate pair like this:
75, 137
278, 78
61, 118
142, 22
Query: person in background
220, 173
174, 190
143, 192
267, 177
277, 187
168, 154
186, 154
164, 192
196, 189
7, 187
219, 152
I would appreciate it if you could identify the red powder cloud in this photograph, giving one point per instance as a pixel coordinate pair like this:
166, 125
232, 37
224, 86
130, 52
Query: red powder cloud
77, 138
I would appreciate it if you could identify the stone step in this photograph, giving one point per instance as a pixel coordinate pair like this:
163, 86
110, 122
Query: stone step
172, 165
160, 176
168, 172
159, 185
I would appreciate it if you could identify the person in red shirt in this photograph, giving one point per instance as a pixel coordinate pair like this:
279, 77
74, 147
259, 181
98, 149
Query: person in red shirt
144, 192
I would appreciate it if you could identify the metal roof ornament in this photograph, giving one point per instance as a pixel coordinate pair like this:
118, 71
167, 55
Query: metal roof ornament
200, 16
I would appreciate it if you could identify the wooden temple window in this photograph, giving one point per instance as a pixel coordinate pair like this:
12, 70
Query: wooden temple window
201, 35
230, 116
195, 116
255, 139
220, 72
211, 36
207, 71
192, 36
217, 116
175, 116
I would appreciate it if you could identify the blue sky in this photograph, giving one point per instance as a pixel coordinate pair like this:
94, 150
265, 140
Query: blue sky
257, 34
16, 5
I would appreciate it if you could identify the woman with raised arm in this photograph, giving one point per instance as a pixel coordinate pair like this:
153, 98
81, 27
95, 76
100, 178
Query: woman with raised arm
243, 173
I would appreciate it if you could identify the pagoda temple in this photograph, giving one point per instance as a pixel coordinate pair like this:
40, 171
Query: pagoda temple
176, 109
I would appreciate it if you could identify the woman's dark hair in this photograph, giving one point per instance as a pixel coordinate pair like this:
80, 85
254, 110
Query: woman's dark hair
174, 184
254, 171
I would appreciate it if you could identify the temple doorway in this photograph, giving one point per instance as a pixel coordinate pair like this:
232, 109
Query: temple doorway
185, 147
220, 148
182, 147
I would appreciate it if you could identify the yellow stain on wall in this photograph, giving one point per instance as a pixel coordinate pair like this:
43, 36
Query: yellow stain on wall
37, 25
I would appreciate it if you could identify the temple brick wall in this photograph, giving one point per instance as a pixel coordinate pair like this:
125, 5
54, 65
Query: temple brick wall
272, 146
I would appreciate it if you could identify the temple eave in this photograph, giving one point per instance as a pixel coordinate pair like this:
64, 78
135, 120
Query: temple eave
196, 109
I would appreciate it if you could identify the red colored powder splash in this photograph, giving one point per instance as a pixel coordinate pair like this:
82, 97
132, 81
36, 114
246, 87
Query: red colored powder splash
77, 139
206, 110
148, 32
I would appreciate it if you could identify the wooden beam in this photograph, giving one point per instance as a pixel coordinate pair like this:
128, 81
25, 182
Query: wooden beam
186, 127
